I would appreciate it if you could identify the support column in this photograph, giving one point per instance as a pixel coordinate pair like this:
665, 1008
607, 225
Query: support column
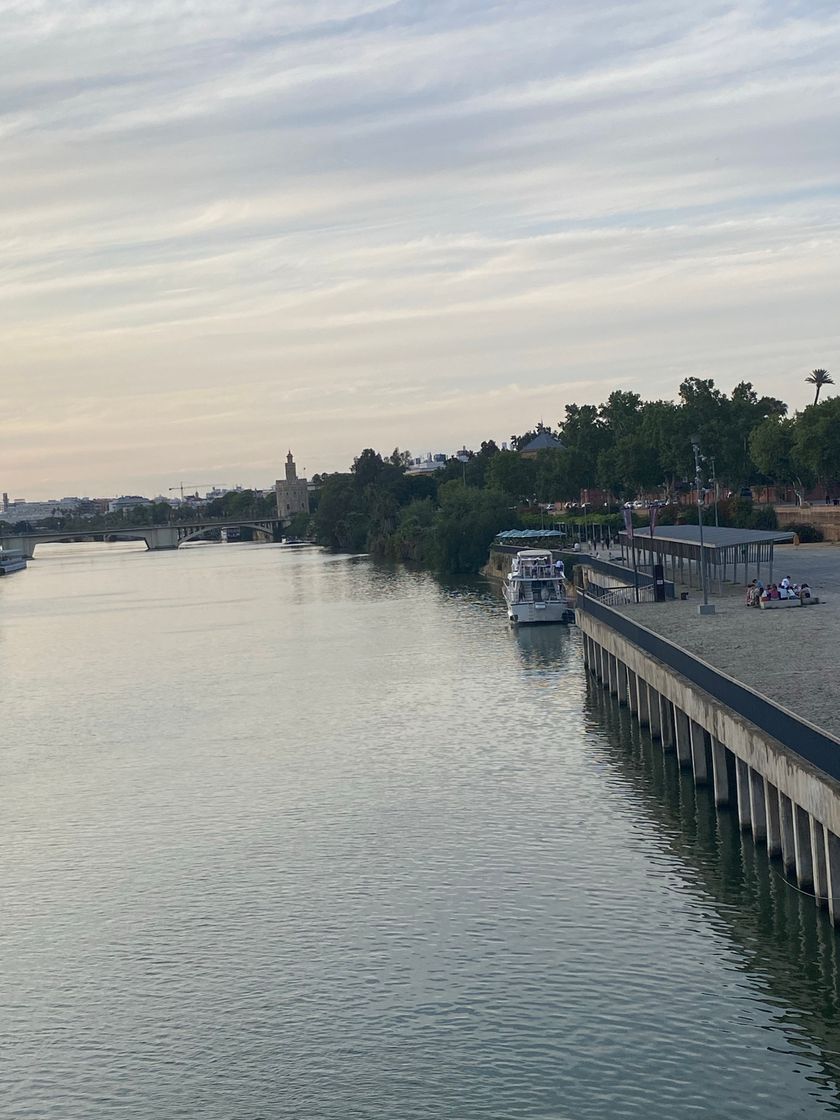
771, 812
832, 866
742, 775
586, 651
653, 712
666, 722
786, 833
802, 847
632, 691
758, 812
720, 775
683, 737
622, 683
603, 670
818, 854
612, 674
644, 717
698, 754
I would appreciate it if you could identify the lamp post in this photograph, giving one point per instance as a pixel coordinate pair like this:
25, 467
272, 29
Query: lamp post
717, 496
707, 607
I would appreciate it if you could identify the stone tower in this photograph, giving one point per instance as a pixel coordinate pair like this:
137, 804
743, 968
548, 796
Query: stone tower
292, 492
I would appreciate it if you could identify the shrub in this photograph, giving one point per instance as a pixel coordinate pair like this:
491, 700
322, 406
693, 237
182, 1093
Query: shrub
808, 534
763, 518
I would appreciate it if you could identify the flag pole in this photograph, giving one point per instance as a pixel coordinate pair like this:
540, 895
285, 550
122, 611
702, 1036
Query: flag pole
628, 525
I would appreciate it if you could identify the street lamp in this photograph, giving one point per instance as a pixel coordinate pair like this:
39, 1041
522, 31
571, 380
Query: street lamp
707, 607
717, 493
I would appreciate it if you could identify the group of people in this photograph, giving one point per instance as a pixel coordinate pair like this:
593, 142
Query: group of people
787, 589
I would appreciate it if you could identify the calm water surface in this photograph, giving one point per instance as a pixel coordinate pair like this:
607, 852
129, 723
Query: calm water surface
290, 835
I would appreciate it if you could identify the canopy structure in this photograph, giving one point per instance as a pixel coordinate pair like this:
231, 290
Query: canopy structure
728, 554
528, 535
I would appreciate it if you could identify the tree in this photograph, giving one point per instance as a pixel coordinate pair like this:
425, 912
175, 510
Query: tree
584, 437
817, 440
773, 450
467, 522
338, 521
399, 458
508, 472
367, 467
819, 377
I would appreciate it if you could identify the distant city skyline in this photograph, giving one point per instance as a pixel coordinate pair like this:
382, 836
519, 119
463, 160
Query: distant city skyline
233, 229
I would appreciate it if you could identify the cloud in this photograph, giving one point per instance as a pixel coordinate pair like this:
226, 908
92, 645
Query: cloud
231, 227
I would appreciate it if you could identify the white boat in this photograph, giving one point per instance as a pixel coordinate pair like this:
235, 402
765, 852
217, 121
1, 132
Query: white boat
535, 590
11, 561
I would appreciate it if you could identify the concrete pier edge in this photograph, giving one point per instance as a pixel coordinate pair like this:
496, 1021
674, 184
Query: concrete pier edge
783, 800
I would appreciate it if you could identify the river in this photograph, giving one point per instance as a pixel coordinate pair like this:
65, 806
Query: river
293, 835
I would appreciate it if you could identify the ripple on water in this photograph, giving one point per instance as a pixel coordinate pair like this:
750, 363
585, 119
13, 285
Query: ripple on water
288, 835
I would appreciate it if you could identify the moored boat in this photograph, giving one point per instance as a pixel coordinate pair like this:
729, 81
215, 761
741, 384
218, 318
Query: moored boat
535, 589
11, 561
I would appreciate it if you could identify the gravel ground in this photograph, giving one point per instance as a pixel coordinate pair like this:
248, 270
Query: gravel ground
791, 656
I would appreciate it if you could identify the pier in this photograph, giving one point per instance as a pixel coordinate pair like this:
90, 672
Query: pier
695, 684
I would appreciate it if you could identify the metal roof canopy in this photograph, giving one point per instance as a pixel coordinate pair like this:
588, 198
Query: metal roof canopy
724, 551
712, 536
527, 534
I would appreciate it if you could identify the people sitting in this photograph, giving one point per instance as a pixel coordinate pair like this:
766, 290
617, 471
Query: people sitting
785, 591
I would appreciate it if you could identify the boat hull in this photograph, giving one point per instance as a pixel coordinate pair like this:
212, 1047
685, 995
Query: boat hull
11, 564
532, 614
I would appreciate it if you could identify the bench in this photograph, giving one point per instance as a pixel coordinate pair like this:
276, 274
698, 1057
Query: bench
778, 604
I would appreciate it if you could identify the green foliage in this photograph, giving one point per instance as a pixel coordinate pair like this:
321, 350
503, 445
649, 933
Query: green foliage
239, 505
299, 525
819, 378
414, 537
625, 446
808, 534
510, 474
763, 517
466, 524
816, 441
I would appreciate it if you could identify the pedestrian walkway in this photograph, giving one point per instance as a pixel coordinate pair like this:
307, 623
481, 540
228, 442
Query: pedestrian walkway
792, 657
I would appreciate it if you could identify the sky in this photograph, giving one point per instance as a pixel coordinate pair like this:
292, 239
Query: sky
233, 228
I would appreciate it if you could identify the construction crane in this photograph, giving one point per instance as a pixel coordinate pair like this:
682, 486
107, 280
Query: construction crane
191, 485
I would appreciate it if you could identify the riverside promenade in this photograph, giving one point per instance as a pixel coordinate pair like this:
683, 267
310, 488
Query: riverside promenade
790, 656
746, 698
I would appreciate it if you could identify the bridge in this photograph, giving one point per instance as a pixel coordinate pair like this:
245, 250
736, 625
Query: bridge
157, 537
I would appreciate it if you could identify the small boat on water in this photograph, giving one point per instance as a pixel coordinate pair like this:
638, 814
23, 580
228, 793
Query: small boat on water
535, 590
11, 561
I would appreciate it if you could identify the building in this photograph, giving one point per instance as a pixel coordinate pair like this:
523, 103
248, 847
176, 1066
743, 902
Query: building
292, 493
426, 464
21, 510
127, 502
542, 441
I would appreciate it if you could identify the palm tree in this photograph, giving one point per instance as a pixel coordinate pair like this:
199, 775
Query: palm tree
819, 377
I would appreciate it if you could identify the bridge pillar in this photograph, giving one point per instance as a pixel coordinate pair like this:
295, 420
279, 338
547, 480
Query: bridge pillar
25, 544
161, 537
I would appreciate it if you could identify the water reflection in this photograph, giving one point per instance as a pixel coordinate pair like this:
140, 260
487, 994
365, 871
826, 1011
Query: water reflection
785, 942
542, 647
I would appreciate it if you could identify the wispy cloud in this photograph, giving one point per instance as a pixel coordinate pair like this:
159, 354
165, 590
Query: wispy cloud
332, 223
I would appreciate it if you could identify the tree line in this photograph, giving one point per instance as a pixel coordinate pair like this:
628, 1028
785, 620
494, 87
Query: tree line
624, 447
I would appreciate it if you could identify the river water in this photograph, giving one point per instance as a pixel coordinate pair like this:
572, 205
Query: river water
292, 835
